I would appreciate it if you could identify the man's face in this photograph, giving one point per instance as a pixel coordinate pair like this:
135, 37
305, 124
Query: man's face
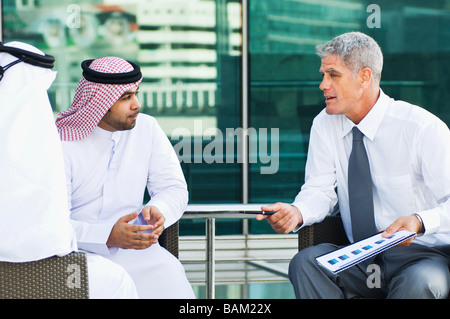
341, 88
123, 114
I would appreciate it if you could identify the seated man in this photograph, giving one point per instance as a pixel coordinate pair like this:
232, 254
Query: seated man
389, 161
34, 216
112, 154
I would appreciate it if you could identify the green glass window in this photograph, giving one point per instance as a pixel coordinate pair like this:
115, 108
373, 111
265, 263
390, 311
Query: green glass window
189, 53
190, 56
209, 72
284, 78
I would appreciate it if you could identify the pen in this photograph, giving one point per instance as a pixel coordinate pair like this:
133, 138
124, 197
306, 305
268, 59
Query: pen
260, 212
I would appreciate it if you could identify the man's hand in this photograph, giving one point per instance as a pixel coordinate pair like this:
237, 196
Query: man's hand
153, 217
286, 218
128, 236
410, 223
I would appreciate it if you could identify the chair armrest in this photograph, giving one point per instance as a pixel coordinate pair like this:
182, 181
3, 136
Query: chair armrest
51, 278
330, 230
169, 239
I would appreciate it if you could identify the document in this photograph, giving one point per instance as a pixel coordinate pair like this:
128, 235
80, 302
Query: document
353, 254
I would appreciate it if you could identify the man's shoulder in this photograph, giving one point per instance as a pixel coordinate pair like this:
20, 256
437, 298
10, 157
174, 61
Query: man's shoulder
145, 124
410, 113
145, 119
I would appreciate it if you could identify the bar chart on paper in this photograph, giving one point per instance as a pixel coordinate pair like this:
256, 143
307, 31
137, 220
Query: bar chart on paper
353, 254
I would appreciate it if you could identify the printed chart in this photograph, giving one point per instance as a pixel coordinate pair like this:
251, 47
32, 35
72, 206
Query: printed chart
353, 254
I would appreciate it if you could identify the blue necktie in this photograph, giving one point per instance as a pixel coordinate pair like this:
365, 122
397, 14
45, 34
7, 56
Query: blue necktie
360, 189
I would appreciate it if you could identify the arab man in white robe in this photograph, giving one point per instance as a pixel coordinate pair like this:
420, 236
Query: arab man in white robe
113, 154
34, 214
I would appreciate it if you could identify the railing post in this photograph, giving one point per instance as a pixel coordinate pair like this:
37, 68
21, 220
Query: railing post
210, 258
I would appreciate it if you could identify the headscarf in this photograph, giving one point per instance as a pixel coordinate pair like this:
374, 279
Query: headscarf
95, 95
34, 213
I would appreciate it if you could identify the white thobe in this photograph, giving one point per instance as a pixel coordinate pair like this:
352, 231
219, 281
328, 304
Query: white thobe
409, 155
34, 216
107, 174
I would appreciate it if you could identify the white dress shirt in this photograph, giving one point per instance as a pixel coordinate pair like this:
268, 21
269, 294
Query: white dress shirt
409, 155
107, 173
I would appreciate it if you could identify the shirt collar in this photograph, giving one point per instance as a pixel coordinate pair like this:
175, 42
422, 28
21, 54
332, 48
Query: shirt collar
107, 134
371, 122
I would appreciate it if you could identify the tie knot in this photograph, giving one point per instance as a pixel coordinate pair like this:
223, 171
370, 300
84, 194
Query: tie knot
357, 135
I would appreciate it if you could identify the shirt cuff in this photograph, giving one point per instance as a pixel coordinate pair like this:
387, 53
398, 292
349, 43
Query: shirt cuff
304, 211
94, 240
431, 220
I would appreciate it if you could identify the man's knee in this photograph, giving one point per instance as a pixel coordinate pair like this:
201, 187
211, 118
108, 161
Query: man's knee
433, 284
300, 259
306, 258
428, 281
108, 280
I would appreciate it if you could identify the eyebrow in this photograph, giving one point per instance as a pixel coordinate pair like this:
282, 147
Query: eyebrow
129, 92
330, 70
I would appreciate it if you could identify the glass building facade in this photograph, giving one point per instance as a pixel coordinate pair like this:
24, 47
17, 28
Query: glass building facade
234, 84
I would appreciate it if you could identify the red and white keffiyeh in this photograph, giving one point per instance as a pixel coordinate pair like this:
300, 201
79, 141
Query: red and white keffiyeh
92, 100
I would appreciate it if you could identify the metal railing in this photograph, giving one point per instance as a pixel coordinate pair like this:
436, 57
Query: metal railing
211, 212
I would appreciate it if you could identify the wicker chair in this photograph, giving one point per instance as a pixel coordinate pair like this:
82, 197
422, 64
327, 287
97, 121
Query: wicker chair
51, 278
330, 230
59, 277
169, 239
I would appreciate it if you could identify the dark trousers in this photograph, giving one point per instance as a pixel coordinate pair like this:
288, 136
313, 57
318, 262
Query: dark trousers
411, 272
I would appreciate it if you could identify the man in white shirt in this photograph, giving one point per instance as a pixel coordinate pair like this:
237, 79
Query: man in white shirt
408, 150
112, 154
34, 216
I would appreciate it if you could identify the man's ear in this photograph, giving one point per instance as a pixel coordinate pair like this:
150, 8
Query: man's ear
365, 77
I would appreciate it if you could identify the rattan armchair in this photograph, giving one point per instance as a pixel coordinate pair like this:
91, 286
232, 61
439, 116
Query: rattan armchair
51, 278
169, 239
330, 230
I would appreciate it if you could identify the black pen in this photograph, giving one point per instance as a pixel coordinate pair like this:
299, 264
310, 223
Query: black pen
261, 212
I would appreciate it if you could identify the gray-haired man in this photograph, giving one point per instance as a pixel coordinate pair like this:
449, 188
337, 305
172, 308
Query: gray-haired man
406, 151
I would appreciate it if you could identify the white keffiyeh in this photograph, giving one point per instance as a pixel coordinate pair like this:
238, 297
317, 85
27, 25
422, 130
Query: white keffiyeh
34, 214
